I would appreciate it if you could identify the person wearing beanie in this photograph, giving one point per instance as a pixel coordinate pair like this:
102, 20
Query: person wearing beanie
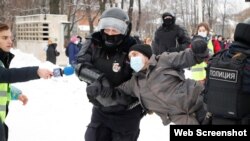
230, 106
160, 84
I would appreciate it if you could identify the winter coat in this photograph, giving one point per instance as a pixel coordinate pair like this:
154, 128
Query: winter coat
170, 39
73, 50
164, 90
113, 64
13, 75
217, 46
52, 53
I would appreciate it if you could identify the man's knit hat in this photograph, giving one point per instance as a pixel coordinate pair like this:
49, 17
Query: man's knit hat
142, 48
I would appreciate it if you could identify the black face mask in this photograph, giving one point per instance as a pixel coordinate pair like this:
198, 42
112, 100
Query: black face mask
168, 22
112, 41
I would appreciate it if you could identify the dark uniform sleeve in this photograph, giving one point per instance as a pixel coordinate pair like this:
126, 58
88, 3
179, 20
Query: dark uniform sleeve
13, 75
155, 44
183, 39
84, 68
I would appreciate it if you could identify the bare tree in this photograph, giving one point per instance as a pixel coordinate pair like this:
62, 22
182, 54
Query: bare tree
122, 4
62, 6
102, 4
74, 14
139, 16
92, 13
210, 9
130, 9
54, 6
182, 12
224, 15
3, 4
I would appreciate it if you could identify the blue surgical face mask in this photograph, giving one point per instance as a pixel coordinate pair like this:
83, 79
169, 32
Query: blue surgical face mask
136, 63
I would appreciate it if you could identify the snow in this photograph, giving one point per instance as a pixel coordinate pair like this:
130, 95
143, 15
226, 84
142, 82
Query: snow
58, 109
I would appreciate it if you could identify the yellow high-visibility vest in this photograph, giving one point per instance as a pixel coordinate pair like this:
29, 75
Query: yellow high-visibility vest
198, 71
210, 48
3, 100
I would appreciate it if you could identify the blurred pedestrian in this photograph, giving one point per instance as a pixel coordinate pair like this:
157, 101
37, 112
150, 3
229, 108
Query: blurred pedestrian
51, 52
72, 49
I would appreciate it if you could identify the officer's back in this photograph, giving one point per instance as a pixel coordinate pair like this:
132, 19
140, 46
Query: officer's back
227, 93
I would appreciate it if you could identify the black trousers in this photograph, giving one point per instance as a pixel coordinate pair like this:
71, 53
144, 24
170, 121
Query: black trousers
2, 132
6, 131
119, 126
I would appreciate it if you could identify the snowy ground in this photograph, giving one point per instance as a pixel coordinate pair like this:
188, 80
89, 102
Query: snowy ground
58, 110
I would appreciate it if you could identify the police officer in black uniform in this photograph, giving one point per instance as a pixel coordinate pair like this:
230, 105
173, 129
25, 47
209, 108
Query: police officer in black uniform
102, 63
227, 92
169, 36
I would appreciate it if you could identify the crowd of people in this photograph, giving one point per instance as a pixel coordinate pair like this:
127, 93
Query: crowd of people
128, 78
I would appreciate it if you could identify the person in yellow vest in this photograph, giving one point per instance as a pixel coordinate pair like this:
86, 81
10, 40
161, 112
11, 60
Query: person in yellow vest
12, 75
198, 71
14, 94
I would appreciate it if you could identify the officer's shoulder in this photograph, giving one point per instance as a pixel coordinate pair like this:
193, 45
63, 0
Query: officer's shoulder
131, 40
94, 37
180, 27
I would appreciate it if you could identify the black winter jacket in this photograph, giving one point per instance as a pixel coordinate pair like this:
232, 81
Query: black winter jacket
13, 75
51, 53
114, 64
170, 39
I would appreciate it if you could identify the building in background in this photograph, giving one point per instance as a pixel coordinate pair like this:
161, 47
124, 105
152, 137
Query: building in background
33, 32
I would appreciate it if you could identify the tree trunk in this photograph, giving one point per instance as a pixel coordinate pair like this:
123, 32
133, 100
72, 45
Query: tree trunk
224, 18
130, 10
122, 4
139, 17
2, 10
102, 4
54, 6
62, 6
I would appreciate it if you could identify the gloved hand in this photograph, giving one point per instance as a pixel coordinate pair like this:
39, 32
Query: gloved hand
94, 88
99, 87
199, 46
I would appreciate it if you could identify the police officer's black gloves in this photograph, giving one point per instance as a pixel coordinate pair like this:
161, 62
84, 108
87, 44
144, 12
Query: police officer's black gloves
99, 87
93, 89
200, 49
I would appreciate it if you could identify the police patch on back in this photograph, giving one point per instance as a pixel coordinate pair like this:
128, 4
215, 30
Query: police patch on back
220, 74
